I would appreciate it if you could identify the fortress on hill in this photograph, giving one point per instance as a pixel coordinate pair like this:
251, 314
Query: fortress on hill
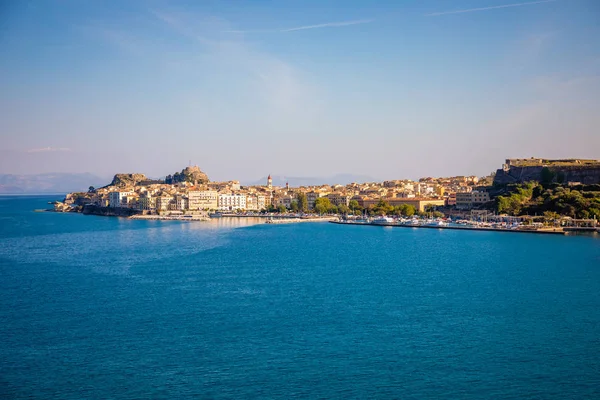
518, 170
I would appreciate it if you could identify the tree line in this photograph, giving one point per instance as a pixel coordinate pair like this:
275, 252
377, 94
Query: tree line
551, 199
323, 205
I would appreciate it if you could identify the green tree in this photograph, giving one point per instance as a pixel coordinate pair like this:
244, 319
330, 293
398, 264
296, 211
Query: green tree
91, 189
383, 208
547, 176
354, 205
294, 206
343, 209
322, 205
281, 209
407, 210
302, 202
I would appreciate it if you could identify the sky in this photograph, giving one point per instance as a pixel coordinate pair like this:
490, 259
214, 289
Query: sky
388, 89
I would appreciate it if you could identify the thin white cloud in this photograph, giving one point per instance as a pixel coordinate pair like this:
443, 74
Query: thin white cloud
329, 25
48, 149
436, 14
305, 27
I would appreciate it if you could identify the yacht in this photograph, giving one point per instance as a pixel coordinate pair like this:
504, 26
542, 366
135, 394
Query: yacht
437, 223
413, 222
383, 220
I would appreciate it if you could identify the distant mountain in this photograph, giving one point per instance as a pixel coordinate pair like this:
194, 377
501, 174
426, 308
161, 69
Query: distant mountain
48, 183
342, 179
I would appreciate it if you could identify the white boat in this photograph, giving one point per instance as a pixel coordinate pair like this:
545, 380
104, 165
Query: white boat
383, 220
437, 223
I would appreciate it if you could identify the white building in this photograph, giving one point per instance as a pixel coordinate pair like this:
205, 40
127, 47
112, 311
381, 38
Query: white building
115, 199
230, 202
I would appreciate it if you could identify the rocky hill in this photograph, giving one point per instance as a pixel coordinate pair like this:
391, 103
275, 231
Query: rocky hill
128, 179
188, 174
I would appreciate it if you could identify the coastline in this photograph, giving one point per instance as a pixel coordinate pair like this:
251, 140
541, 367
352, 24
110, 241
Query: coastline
283, 219
462, 228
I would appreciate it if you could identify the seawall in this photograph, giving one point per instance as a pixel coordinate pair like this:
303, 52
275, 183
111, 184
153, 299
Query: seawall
90, 209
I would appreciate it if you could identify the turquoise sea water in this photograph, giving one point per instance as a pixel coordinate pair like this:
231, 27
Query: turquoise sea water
96, 307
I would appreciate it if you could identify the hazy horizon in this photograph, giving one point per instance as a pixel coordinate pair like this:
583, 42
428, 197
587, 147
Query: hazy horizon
392, 91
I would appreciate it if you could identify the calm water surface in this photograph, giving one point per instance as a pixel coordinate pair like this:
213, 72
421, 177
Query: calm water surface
95, 307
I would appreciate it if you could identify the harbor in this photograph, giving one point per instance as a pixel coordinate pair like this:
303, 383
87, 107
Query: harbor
297, 220
389, 222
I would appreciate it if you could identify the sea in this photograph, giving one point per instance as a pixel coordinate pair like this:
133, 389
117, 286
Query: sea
109, 308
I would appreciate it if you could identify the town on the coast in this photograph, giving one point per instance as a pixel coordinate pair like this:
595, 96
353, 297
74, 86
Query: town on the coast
531, 194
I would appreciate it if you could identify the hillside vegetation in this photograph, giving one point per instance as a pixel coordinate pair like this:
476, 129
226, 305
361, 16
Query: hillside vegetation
531, 198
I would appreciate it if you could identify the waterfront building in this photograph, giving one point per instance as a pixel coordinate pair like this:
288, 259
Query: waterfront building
466, 201
130, 201
251, 203
203, 199
230, 202
162, 202
146, 202
261, 202
180, 203
115, 199
255, 202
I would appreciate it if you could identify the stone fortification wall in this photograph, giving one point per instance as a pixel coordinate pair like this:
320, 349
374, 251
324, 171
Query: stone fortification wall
586, 174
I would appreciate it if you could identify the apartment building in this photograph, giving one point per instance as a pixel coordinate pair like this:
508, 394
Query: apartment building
468, 200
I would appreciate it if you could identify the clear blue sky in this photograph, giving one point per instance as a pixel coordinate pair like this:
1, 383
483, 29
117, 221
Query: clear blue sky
390, 89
